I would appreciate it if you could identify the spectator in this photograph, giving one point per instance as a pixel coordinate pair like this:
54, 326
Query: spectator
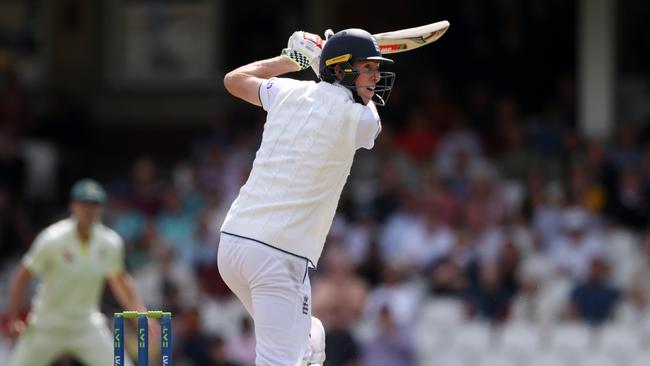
168, 282
625, 152
427, 241
388, 197
419, 138
600, 170
489, 297
371, 267
438, 195
401, 220
393, 346
594, 300
458, 139
240, 349
573, 251
215, 211
127, 221
484, 237
145, 189
217, 353
176, 225
338, 286
358, 237
583, 189
147, 242
484, 191
401, 296
545, 204
542, 295
195, 346
635, 304
525, 306
342, 347
630, 204
185, 180
516, 157
446, 278
201, 247
509, 263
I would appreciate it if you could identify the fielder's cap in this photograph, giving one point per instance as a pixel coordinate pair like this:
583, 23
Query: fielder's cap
88, 190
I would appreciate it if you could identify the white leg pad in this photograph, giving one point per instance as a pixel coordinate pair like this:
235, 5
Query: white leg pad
317, 342
315, 353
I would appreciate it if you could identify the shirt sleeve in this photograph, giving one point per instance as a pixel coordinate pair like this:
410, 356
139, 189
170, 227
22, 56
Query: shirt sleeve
369, 127
270, 88
37, 258
115, 263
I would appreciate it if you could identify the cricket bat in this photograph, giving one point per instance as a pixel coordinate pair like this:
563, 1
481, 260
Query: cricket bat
411, 38
401, 40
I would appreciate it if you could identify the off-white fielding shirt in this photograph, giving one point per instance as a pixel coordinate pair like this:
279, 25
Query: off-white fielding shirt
71, 277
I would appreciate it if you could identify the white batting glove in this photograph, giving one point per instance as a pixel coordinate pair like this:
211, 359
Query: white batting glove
309, 44
304, 49
315, 63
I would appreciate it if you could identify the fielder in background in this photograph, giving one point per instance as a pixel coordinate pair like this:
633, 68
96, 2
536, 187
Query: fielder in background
72, 259
276, 228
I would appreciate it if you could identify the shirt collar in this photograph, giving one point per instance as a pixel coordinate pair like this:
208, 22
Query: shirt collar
348, 91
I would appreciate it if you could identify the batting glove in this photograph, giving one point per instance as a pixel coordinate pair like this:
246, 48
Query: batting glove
303, 49
315, 63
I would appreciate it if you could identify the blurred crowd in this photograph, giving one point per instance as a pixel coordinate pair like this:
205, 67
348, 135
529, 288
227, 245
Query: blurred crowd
478, 211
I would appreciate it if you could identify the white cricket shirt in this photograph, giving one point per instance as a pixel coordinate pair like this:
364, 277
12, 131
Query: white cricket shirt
71, 277
310, 137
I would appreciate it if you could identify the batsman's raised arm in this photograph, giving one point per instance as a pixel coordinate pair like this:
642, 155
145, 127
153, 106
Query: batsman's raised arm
244, 82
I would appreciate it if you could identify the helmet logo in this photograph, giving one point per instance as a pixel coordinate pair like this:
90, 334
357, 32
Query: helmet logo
338, 59
374, 42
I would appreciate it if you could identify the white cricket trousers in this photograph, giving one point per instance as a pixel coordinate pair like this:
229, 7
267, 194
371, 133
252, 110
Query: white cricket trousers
92, 345
275, 289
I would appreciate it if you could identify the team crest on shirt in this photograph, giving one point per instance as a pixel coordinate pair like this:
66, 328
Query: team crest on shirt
67, 255
305, 305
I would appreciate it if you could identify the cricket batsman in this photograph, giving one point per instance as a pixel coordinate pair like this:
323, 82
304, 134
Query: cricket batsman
276, 228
